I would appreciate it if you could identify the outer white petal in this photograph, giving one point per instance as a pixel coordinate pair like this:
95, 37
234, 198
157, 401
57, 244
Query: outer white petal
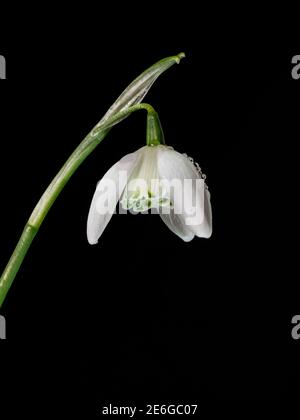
176, 224
98, 220
174, 166
204, 230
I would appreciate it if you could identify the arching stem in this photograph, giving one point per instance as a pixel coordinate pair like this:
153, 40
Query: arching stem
54, 189
127, 102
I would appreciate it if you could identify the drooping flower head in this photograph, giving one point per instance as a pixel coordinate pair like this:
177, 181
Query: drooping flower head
154, 178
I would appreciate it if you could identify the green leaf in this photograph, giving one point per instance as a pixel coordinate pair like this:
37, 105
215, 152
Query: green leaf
137, 90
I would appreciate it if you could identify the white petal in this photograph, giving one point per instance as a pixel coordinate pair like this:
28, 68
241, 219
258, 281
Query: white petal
172, 164
204, 230
176, 224
177, 168
107, 194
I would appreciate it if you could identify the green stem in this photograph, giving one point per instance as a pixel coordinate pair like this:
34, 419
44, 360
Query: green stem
16, 260
155, 135
43, 206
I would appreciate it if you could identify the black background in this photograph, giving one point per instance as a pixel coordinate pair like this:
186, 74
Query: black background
144, 317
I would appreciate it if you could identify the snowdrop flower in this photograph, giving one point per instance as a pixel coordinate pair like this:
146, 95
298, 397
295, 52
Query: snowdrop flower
139, 192
154, 177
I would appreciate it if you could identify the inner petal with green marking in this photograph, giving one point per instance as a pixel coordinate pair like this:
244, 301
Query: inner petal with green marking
144, 190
